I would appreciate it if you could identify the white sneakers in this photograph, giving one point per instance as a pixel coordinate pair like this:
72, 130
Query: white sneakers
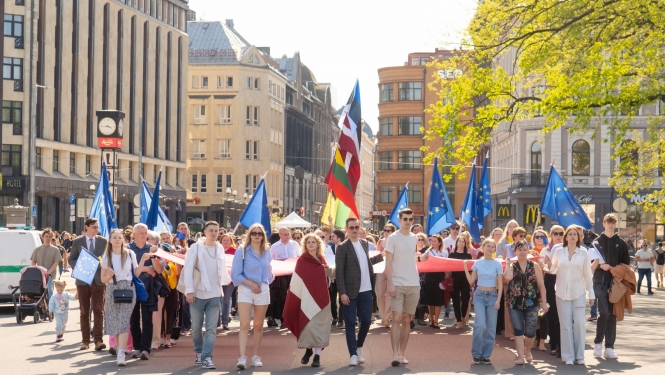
610, 354
198, 360
598, 350
361, 356
242, 363
121, 358
353, 361
256, 361
207, 363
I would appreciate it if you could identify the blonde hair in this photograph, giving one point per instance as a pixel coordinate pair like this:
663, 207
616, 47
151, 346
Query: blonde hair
533, 237
109, 248
486, 242
59, 283
264, 241
303, 247
505, 231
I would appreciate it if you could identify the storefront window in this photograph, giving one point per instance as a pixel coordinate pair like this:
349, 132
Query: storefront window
581, 158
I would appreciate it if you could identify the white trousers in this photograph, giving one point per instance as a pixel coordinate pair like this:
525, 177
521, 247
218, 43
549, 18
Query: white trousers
573, 331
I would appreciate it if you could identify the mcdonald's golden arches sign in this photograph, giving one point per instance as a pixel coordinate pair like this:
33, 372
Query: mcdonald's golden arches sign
531, 214
503, 211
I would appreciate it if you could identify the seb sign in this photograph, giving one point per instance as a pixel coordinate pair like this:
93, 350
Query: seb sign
449, 73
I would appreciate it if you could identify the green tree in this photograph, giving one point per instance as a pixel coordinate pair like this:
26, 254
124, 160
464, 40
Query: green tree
587, 64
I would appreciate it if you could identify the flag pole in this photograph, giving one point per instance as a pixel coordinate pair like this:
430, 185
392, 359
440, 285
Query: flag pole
234, 229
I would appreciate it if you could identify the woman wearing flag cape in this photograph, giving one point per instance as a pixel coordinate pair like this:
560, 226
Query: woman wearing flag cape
307, 310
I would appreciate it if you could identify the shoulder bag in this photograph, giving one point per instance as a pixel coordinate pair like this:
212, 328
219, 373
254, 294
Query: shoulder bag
121, 295
197, 274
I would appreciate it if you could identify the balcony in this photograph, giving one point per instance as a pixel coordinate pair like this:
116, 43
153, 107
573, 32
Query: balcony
18, 42
17, 128
528, 179
20, 2
18, 85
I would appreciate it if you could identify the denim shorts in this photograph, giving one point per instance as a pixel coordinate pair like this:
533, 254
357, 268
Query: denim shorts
524, 321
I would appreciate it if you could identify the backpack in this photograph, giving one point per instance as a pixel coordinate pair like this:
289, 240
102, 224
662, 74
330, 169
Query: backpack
660, 260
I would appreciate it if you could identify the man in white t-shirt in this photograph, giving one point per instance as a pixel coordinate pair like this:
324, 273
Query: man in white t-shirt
403, 283
644, 257
449, 242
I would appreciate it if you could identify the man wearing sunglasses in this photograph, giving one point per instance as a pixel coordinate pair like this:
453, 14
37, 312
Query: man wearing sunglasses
450, 241
355, 282
403, 283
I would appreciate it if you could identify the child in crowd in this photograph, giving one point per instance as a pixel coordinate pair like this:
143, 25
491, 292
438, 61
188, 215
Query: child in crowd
58, 305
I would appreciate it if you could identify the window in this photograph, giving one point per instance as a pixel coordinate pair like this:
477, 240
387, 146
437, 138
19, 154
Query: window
386, 194
13, 25
256, 150
195, 183
386, 161
410, 91
256, 116
536, 157
229, 82
12, 112
247, 180
387, 92
38, 159
249, 115
255, 182
130, 171
12, 68
408, 159
414, 193
72, 162
415, 61
11, 155
177, 177
204, 183
204, 82
228, 180
581, 158
220, 183
199, 114
199, 148
225, 148
248, 150
88, 165
249, 82
56, 160
386, 126
257, 84
220, 82
195, 82
225, 114
410, 125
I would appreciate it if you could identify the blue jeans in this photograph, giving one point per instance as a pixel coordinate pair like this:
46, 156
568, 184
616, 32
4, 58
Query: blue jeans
642, 272
524, 321
210, 308
363, 306
484, 325
226, 302
49, 287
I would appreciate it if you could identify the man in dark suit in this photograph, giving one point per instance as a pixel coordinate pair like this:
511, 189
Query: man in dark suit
355, 282
90, 295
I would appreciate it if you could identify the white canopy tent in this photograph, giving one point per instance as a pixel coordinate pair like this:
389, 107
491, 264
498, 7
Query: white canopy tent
293, 221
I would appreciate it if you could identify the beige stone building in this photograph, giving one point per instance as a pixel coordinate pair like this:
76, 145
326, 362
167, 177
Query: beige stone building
128, 55
235, 127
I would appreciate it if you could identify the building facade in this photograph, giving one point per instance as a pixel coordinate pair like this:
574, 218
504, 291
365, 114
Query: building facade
236, 123
81, 56
403, 99
310, 131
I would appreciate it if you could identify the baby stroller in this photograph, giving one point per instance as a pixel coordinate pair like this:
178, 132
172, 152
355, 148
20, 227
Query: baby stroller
32, 297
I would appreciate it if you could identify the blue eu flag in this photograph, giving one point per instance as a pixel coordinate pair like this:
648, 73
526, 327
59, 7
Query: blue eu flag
439, 212
469, 213
560, 204
86, 266
483, 200
257, 210
102, 205
402, 203
163, 223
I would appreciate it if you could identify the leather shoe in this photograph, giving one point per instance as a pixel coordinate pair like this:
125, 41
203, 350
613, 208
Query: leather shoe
100, 346
84, 347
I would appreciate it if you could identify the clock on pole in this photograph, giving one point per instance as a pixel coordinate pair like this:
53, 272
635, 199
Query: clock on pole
110, 130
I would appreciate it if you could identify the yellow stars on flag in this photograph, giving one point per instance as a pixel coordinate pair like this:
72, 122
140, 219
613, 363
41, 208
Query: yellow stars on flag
436, 209
436, 185
565, 214
558, 189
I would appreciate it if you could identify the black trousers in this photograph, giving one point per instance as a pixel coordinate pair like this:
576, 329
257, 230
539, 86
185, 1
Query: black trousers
554, 329
500, 322
171, 304
336, 314
461, 296
278, 291
142, 338
606, 326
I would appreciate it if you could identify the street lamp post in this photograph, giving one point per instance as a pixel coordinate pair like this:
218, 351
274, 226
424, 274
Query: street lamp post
33, 149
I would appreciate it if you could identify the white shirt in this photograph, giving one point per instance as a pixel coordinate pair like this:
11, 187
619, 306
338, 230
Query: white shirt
449, 244
124, 271
365, 282
282, 251
328, 250
573, 276
437, 253
403, 248
644, 255
200, 256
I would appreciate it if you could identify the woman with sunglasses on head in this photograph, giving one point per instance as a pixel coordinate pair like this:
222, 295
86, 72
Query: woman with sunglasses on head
253, 274
433, 293
381, 284
539, 242
526, 291
461, 287
297, 235
553, 328
507, 239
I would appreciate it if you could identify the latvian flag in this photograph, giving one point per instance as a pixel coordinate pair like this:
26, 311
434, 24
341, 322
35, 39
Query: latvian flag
308, 301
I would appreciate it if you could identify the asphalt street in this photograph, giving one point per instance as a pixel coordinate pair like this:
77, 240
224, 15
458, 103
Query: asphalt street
30, 349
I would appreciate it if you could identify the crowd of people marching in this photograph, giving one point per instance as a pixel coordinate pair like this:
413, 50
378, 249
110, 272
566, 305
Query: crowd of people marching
529, 287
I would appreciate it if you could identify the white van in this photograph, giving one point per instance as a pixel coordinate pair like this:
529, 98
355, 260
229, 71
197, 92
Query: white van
16, 247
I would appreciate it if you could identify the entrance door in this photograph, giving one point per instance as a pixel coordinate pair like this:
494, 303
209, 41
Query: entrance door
660, 232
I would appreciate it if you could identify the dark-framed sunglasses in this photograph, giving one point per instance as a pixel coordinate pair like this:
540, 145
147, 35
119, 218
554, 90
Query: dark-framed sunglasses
259, 234
454, 228
540, 237
557, 233
356, 227
409, 219
387, 230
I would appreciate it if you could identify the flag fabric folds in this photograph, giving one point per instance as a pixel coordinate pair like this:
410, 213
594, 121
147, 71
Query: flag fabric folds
163, 223
560, 204
469, 213
257, 210
86, 266
350, 123
102, 205
151, 220
402, 202
439, 212
483, 198
339, 183
337, 210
